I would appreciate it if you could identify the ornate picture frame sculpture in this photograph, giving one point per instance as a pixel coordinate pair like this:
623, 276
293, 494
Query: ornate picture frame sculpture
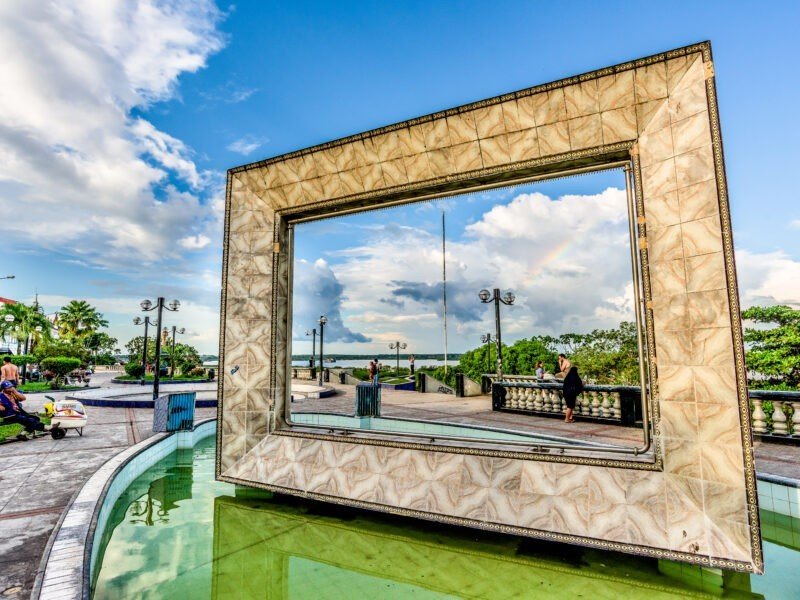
695, 500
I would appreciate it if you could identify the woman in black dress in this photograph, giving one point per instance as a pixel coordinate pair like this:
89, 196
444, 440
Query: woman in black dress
572, 387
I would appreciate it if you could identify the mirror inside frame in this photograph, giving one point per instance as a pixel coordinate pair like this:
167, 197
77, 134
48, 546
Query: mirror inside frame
503, 316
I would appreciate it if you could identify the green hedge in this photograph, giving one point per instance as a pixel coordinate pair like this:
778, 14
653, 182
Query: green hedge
21, 359
60, 365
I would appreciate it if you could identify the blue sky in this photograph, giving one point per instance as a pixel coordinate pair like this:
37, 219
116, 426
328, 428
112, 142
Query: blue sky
119, 120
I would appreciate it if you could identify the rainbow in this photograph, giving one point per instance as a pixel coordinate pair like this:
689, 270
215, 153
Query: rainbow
557, 252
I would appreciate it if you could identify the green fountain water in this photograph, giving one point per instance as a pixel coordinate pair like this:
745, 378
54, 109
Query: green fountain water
177, 533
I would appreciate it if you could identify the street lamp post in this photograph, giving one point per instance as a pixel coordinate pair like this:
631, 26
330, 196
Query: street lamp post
9, 319
313, 334
322, 320
487, 339
508, 299
172, 354
398, 346
147, 306
147, 322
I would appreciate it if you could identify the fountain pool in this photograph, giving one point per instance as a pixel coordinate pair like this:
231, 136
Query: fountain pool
175, 532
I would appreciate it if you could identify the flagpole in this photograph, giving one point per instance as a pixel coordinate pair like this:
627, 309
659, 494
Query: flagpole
444, 291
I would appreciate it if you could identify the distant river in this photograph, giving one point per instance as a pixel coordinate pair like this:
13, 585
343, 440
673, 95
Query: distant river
420, 362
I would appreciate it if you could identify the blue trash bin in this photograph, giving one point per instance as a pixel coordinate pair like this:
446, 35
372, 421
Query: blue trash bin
174, 412
368, 400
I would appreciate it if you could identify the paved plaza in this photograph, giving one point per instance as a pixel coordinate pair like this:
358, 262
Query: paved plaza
38, 478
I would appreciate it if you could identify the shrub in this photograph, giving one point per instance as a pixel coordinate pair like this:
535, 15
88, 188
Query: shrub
22, 359
60, 365
134, 369
197, 372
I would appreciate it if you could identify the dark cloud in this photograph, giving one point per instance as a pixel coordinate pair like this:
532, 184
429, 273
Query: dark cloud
462, 298
318, 292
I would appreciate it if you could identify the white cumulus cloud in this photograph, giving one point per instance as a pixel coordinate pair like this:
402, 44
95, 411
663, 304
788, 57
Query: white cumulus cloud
246, 145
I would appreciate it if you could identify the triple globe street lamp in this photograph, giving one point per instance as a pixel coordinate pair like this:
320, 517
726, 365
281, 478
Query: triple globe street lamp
322, 321
487, 339
160, 306
313, 334
508, 299
175, 330
398, 346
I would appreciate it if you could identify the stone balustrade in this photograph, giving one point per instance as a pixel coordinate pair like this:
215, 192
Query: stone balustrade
775, 413
610, 403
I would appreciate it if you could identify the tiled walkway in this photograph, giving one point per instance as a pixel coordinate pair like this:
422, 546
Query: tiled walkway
39, 477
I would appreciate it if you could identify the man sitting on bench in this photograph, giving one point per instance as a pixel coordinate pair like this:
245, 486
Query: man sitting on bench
12, 412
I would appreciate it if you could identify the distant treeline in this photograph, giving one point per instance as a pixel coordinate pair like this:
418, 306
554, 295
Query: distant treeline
367, 357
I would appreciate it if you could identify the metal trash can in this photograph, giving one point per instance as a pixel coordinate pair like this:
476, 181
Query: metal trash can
368, 400
174, 412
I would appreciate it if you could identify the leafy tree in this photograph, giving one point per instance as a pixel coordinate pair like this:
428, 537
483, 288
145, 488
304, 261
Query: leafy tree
62, 347
100, 342
521, 358
774, 352
136, 345
79, 319
609, 356
186, 356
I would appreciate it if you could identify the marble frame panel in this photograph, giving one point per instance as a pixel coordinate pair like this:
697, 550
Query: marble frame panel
671, 137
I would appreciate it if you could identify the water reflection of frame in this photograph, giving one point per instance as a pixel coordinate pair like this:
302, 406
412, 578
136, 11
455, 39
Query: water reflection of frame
278, 550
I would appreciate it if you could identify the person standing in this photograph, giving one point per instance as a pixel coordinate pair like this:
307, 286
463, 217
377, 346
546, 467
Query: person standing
411, 363
563, 365
372, 371
9, 371
378, 366
573, 386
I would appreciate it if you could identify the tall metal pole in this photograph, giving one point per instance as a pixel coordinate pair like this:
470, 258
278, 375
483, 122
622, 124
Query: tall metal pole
321, 338
444, 291
497, 333
157, 373
144, 351
313, 347
172, 353
397, 367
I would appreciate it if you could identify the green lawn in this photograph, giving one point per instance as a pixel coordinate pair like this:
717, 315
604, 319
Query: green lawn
150, 378
9, 431
44, 386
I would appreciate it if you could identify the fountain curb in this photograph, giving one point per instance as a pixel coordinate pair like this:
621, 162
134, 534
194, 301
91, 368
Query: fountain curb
65, 568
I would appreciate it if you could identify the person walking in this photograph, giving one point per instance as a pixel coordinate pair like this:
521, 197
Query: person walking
573, 386
9, 371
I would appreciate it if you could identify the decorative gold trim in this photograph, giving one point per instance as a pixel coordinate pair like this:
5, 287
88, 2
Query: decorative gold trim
484, 449
704, 47
564, 538
223, 305
748, 453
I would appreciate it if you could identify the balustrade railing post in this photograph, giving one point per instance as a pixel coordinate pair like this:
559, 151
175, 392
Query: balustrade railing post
778, 419
759, 417
796, 419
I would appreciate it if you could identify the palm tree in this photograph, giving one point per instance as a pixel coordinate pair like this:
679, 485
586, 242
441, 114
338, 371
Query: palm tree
78, 319
28, 324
